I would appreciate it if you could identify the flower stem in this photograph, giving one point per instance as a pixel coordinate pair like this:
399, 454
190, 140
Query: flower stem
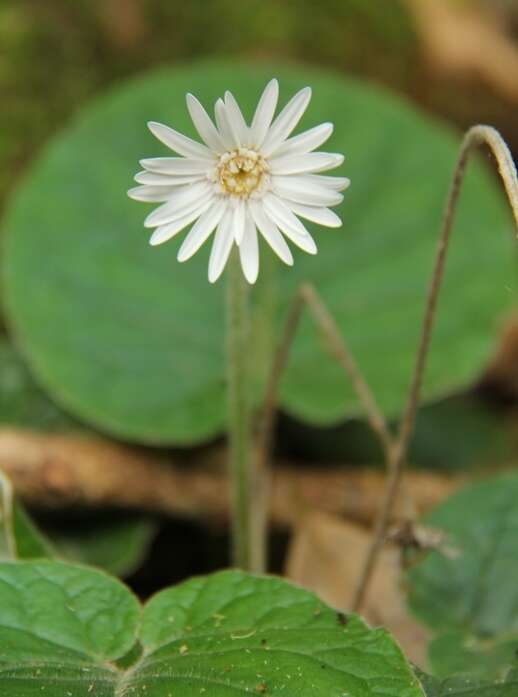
239, 416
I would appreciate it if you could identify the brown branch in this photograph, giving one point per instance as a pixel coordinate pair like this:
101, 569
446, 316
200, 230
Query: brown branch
475, 136
60, 471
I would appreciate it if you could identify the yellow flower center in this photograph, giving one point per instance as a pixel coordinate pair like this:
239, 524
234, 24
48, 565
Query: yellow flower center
241, 172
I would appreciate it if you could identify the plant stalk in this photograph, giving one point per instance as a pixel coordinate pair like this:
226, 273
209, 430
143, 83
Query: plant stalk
239, 413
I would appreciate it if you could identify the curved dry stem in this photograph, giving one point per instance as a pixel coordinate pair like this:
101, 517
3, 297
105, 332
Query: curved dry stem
475, 136
6, 515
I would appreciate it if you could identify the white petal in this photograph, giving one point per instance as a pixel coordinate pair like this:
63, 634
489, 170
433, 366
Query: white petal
335, 183
270, 232
298, 189
264, 113
203, 124
288, 223
236, 120
286, 121
176, 165
221, 246
165, 232
238, 220
249, 251
321, 216
307, 141
184, 198
155, 179
223, 124
202, 230
151, 194
308, 162
178, 142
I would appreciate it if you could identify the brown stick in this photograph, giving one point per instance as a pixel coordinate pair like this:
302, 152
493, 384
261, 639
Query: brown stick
61, 471
474, 137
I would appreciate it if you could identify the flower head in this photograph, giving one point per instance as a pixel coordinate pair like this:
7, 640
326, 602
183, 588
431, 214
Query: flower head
242, 180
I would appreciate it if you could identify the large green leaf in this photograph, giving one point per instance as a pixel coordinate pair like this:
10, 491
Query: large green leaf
64, 630
132, 342
468, 594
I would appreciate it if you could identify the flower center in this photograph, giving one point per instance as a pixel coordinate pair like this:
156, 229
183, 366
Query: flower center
241, 172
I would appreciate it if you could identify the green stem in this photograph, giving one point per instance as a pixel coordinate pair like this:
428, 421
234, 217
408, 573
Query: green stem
239, 450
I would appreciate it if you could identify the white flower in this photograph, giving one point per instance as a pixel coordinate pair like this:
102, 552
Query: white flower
243, 179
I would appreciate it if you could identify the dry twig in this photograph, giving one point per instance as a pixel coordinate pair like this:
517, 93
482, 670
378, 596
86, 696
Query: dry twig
61, 471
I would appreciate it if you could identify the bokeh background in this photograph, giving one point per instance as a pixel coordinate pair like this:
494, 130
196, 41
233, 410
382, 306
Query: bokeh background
456, 60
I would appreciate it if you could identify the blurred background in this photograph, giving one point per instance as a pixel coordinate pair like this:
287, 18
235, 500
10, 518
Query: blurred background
456, 60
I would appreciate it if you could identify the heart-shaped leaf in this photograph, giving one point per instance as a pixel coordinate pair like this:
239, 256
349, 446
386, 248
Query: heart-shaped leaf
132, 342
70, 630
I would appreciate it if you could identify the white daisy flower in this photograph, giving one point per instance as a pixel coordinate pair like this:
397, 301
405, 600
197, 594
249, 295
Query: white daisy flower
241, 181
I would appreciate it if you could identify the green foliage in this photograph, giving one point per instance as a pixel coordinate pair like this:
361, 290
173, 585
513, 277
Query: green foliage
22, 403
19, 537
468, 594
464, 652
467, 687
131, 341
30, 542
70, 630
117, 545
459, 432
60, 626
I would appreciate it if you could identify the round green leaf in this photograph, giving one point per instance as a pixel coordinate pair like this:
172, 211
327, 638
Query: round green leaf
132, 342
